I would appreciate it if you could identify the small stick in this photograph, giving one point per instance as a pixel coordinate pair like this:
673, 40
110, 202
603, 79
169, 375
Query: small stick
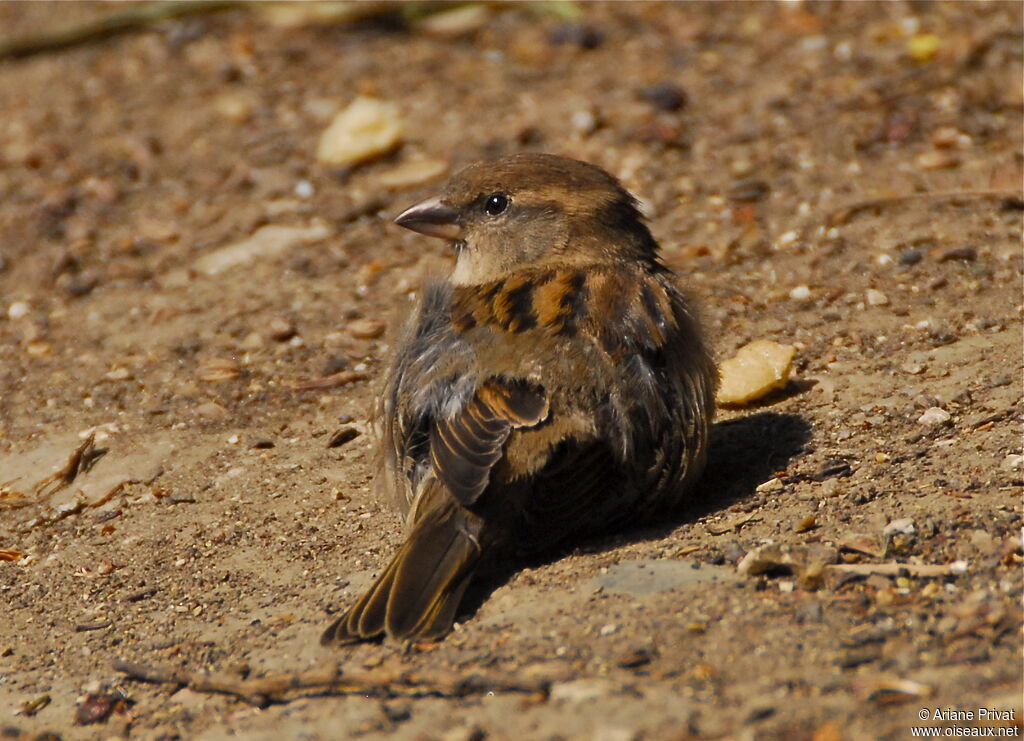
279, 688
84, 457
845, 214
109, 24
895, 569
341, 378
124, 20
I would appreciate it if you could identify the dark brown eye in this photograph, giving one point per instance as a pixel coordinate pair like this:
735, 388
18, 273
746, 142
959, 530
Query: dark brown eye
496, 204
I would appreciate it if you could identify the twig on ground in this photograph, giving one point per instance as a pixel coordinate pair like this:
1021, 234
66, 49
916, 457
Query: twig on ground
109, 24
331, 680
341, 378
897, 569
80, 461
845, 215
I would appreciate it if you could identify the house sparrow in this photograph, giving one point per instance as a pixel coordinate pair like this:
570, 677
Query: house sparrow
556, 386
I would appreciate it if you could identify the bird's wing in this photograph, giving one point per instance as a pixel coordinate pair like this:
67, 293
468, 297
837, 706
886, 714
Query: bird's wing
463, 449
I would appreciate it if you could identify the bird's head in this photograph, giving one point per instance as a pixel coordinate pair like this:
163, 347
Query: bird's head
529, 209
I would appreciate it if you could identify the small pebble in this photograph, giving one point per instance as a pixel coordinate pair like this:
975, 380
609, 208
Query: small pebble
934, 416
909, 256
609, 629
578, 35
800, 293
966, 253
252, 341
455, 22
584, 121
748, 190
757, 369
216, 370
636, 658
280, 329
876, 298
903, 526
912, 368
983, 541
807, 523
464, 733
614, 733
787, 238
304, 189
18, 309
366, 329
923, 47
1012, 462
334, 364
665, 96
936, 160
945, 137
581, 690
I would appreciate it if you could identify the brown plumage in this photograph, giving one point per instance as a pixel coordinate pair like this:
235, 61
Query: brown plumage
555, 387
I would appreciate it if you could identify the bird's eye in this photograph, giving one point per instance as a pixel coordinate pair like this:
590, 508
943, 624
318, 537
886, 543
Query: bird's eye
496, 204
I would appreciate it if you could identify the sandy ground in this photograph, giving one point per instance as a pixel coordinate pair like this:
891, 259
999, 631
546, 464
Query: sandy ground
182, 279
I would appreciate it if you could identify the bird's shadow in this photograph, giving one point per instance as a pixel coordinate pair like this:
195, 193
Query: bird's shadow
743, 453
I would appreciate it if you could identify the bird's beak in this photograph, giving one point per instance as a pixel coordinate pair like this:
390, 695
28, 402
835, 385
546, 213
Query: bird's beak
433, 218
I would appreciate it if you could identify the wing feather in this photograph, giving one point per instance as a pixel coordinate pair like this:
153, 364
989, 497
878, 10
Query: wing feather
464, 449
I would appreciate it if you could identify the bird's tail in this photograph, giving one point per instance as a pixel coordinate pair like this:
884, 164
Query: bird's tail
417, 595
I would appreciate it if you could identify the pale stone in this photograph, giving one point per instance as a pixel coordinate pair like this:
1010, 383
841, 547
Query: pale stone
368, 128
755, 370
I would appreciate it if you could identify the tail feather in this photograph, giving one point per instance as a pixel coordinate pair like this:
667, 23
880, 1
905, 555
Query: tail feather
416, 597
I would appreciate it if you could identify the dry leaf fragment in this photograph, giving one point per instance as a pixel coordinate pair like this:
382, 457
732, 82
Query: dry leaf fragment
11, 554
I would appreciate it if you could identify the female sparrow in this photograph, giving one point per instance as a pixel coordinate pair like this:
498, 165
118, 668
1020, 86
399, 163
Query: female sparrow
556, 386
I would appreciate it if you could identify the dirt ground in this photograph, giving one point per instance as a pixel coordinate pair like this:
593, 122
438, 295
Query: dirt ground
182, 279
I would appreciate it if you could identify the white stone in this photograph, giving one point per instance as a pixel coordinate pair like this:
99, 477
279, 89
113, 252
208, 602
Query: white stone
933, 416
18, 309
581, 690
1012, 462
876, 298
903, 526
